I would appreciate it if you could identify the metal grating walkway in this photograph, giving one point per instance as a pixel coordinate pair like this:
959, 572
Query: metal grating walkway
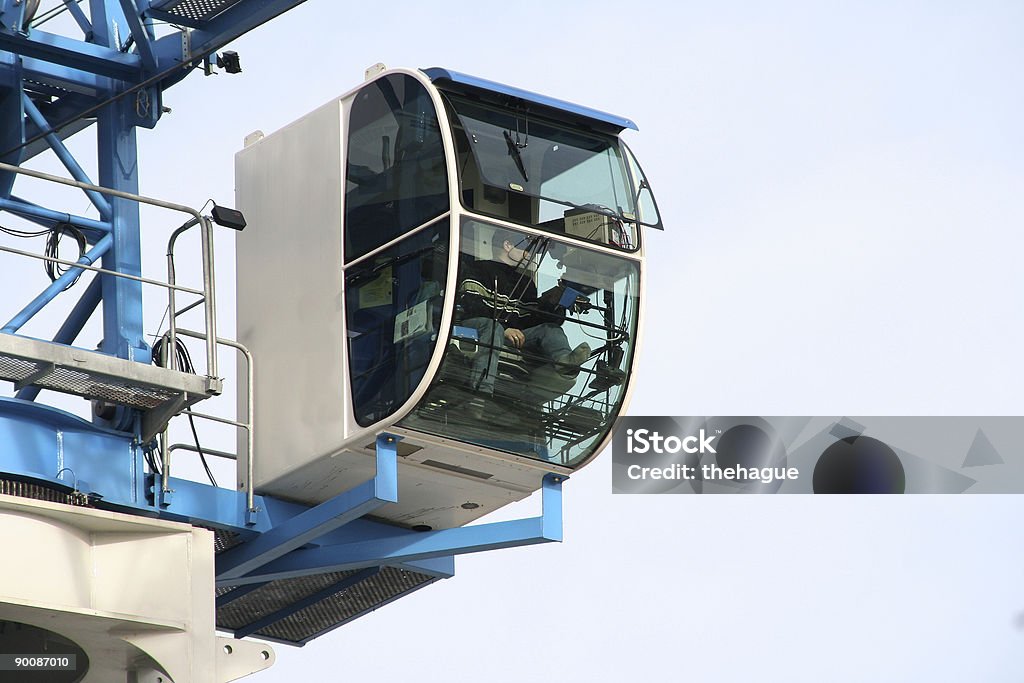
194, 10
296, 611
159, 392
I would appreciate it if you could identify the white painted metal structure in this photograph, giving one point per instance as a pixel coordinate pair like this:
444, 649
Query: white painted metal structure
134, 593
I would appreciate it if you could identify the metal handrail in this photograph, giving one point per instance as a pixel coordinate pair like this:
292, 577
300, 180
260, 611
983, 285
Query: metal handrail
249, 425
105, 271
208, 299
204, 451
208, 293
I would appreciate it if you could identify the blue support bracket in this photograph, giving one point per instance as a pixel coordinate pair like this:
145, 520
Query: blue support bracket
315, 522
415, 546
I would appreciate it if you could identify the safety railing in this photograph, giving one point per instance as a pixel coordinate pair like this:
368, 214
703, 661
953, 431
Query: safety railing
248, 425
122, 374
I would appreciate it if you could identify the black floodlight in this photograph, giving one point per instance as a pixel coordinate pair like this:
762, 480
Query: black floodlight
228, 218
229, 62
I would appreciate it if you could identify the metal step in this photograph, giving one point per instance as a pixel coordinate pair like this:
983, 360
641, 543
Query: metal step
159, 392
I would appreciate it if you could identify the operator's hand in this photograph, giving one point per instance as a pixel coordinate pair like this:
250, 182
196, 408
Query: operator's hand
515, 337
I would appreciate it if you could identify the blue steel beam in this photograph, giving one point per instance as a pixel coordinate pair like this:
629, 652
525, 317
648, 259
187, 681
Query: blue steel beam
57, 286
219, 31
118, 159
33, 212
315, 522
74, 80
50, 47
12, 119
140, 34
80, 18
307, 601
415, 546
66, 158
207, 505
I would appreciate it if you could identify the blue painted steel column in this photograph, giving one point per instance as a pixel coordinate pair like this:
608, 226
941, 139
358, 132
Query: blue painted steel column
12, 120
117, 154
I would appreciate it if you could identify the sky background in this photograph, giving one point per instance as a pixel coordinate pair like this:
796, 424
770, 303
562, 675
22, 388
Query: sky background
841, 185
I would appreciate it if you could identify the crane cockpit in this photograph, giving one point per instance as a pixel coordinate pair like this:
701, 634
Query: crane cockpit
480, 253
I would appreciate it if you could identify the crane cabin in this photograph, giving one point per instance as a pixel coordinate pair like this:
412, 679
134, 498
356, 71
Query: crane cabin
446, 259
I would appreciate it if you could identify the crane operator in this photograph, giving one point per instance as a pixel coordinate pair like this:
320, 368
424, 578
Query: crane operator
498, 298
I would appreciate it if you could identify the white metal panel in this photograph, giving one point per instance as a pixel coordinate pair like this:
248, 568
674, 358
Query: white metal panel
290, 302
136, 594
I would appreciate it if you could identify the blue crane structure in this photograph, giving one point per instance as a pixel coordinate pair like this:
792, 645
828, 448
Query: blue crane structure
111, 78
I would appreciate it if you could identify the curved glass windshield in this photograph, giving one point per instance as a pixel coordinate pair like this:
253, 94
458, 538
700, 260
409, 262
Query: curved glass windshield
395, 178
539, 352
530, 170
393, 311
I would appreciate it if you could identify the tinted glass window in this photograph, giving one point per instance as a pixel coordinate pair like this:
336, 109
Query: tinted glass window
394, 303
395, 177
554, 176
539, 353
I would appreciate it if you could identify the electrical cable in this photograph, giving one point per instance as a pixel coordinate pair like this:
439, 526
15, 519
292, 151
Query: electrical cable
151, 459
24, 233
53, 269
185, 365
53, 235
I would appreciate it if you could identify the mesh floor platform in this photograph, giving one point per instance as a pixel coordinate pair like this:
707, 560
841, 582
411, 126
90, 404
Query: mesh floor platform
159, 392
320, 608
